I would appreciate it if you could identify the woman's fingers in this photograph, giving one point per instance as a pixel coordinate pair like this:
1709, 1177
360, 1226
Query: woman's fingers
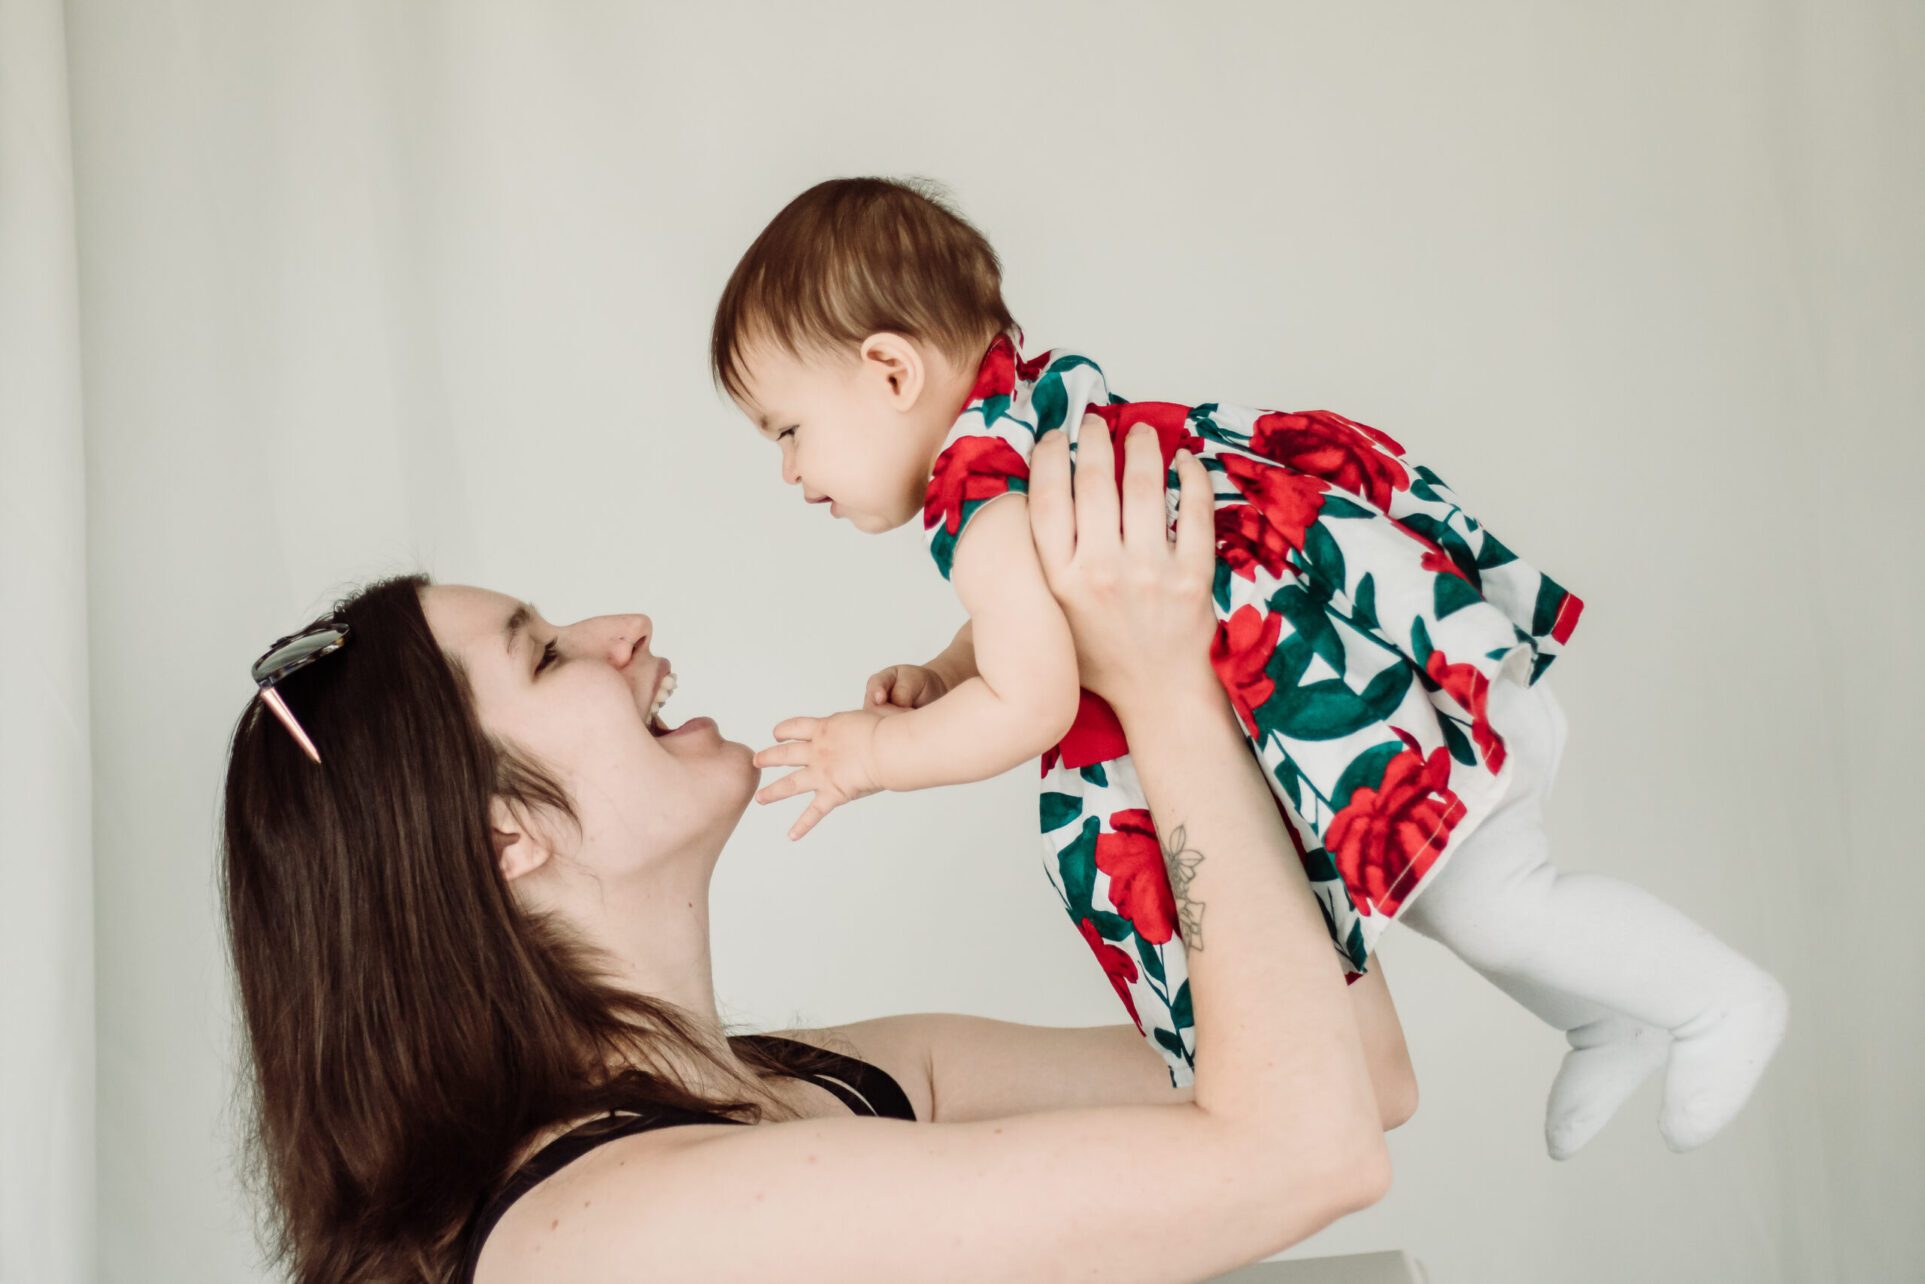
1195, 517
1052, 518
1096, 503
1145, 526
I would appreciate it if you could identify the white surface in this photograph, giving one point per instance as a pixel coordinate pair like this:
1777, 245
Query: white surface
372, 285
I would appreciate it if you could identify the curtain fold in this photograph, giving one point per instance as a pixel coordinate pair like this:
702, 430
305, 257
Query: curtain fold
46, 863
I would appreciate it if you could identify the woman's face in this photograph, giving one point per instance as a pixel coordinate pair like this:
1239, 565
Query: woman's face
576, 697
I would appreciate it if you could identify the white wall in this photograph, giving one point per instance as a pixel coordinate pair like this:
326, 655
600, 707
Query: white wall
371, 286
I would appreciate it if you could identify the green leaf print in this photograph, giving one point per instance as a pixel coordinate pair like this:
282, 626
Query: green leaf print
1324, 558
1180, 1008
1492, 553
1446, 538
1363, 609
1366, 770
1318, 867
1452, 594
1171, 1043
1111, 927
1386, 691
1325, 710
1095, 774
1307, 616
1338, 506
1550, 597
1077, 865
1048, 401
1152, 961
1286, 774
1420, 647
1354, 947
1059, 809
1220, 587
995, 407
1458, 742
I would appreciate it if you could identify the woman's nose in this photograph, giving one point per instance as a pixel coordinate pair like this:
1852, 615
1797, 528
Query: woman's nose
625, 636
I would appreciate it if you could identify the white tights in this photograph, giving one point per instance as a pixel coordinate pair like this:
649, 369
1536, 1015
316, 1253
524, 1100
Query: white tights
1626, 976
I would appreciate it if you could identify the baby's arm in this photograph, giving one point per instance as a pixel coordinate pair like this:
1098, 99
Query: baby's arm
1023, 695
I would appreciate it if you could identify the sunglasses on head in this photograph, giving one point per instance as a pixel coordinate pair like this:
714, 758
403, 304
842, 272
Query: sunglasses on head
289, 655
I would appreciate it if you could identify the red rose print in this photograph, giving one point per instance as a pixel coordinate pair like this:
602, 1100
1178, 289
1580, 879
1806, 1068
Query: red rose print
1245, 541
1240, 652
1385, 838
1171, 421
1095, 736
1471, 689
1118, 966
1288, 501
1139, 884
1341, 451
996, 376
1032, 370
973, 468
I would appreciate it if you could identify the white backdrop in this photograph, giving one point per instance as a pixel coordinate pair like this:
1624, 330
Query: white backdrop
370, 286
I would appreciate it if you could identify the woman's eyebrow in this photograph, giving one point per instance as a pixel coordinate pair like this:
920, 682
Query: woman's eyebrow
517, 621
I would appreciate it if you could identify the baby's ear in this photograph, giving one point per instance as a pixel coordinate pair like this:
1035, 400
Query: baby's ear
896, 362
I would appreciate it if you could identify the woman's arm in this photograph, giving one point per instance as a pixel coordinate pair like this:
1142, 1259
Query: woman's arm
981, 1068
1281, 1139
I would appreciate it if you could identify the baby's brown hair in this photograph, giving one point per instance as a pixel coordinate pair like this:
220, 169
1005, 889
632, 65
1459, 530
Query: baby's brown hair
850, 257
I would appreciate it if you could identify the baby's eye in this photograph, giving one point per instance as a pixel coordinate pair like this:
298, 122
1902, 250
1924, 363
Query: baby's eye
786, 432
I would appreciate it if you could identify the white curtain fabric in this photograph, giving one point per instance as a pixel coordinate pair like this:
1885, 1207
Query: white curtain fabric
370, 286
46, 866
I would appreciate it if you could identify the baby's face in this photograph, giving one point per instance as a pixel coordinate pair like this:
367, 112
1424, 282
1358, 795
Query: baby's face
844, 437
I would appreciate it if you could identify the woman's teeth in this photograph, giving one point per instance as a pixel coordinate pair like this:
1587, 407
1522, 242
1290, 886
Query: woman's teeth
662, 693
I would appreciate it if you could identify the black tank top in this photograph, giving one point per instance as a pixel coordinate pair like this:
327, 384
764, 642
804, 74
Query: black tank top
864, 1088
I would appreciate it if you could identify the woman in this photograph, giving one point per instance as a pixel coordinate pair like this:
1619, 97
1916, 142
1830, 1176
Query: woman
473, 953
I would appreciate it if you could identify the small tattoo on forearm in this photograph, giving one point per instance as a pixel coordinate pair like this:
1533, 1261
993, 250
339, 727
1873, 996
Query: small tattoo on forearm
1181, 862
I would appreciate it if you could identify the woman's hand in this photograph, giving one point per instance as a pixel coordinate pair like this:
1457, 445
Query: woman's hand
1137, 602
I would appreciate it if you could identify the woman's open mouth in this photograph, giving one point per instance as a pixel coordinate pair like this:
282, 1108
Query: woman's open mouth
658, 728
663, 690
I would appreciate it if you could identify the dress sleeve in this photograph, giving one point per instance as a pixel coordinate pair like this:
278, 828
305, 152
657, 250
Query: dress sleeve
987, 451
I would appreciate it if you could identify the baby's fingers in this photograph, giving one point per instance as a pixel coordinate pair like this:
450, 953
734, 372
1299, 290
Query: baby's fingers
787, 787
797, 728
880, 687
810, 818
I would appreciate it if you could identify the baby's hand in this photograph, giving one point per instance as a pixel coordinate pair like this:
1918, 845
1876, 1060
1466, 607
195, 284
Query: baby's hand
837, 757
906, 686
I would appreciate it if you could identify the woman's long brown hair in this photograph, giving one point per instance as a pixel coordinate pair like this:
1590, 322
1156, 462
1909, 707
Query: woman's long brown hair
410, 1028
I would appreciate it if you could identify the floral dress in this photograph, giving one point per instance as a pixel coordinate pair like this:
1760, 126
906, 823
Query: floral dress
1362, 615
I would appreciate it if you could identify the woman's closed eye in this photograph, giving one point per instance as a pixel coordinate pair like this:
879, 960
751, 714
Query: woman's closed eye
786, 432
548, 653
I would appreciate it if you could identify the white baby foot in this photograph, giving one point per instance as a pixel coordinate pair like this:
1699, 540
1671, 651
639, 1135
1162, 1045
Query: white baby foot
1608, 1059
1717, 1058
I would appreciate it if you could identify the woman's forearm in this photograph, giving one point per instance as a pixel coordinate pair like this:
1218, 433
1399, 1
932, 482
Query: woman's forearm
1265, 981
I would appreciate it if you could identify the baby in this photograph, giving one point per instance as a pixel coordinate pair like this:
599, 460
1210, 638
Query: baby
1385, 653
